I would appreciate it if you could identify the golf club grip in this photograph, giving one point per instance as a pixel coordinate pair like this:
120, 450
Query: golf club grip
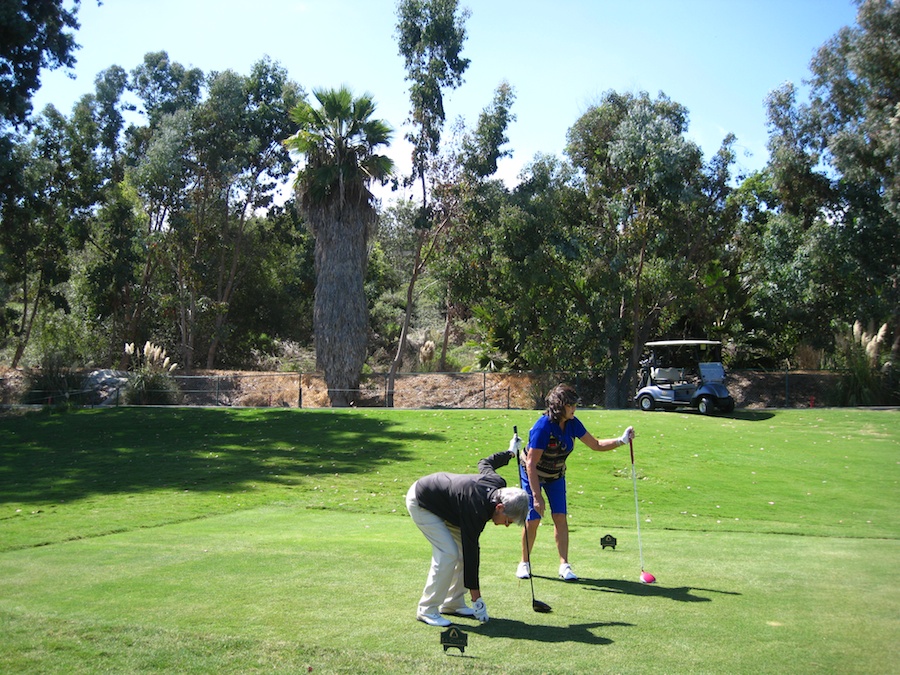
631, 448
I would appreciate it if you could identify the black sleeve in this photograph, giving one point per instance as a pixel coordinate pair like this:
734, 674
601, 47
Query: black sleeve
490, 464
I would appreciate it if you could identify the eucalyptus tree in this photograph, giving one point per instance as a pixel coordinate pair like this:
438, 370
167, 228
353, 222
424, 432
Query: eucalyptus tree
464, 183
34, 36
659, 222
238, 161
855, 105
160, 171
36, 234
820, 231
338, 140
430, 37
107, 265
520, 263
77, 176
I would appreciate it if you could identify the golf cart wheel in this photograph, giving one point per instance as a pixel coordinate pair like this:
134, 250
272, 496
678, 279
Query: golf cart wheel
706, 405
646, 403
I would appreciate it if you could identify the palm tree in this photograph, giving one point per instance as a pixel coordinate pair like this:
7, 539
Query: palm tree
338, 140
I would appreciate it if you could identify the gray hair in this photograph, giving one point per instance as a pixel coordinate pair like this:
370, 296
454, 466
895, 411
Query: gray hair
515, 504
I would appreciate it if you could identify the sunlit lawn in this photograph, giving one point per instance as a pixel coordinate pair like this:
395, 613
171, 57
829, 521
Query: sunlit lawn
182, 540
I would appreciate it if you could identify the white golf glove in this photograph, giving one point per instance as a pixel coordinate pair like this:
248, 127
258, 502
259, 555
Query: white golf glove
480, 610
628, 435
515, 445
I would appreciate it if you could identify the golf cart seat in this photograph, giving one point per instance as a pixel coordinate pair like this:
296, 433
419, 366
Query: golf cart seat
666, 375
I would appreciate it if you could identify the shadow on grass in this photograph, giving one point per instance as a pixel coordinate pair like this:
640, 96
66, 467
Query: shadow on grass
677, 593
751, 415
73, 455
519, 630
744, 414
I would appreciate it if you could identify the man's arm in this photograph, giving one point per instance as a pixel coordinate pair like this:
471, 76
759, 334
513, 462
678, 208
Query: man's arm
494, 462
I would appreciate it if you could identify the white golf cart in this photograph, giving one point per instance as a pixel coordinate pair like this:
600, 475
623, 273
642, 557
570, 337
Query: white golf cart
682, 374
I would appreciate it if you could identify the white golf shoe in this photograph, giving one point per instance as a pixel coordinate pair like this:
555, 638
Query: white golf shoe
523, 571
434, 620
566, 573
465, 610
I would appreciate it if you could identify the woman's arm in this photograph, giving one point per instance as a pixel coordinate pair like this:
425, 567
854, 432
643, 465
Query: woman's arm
531, 461
607, 444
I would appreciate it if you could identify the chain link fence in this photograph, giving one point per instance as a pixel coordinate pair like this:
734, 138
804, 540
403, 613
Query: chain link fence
753, 389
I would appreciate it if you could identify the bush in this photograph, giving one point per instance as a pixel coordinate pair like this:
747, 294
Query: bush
862, 382
54, 383
151, 381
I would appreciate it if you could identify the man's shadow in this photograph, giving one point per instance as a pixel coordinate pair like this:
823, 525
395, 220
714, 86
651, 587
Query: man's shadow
519, 630
677, 593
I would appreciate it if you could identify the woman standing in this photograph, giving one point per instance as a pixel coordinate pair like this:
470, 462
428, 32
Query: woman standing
543, 467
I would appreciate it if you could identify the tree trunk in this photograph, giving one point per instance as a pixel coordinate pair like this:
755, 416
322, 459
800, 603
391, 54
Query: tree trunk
224, 299
442, 366
340, 314
404, 331
27, 318
134, 318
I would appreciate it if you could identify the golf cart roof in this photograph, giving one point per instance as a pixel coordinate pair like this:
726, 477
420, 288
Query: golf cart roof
679, 343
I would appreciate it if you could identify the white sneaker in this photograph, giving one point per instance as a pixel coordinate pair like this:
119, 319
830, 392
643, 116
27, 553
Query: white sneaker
566, 573
465, 610
434, 620
523, 571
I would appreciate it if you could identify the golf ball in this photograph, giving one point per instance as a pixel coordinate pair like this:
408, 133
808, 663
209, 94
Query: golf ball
647, 578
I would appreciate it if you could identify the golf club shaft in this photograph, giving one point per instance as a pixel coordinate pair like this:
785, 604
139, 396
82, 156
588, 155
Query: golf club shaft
528, 560
534, 603
637, 515
525, 528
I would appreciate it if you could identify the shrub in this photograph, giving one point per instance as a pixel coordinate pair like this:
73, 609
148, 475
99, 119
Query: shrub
54, 383
151, 381
858, 352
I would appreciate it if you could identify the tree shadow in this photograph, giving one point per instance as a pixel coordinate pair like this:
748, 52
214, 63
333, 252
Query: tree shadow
745, 415
677, 593
73, 455
519, 630
751, 415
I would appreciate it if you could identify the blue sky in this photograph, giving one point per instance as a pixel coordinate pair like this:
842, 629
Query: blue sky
718, 58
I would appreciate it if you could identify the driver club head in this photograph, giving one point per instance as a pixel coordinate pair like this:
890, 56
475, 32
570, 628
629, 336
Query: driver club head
541, 607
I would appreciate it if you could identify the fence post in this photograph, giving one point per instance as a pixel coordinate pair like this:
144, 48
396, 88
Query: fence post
787, 389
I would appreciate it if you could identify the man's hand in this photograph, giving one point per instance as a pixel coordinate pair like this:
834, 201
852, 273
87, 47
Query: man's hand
480, 610
515, 446
627, 436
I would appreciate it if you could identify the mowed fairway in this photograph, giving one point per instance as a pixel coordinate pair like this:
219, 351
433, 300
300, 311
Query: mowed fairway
197, 541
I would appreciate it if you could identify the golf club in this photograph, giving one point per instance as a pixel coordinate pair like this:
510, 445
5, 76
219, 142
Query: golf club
646, 577
536, 605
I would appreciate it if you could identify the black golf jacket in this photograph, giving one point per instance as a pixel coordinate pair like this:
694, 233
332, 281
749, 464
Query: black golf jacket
467, 501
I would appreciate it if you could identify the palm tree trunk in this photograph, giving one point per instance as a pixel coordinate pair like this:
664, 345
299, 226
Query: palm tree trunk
340, 313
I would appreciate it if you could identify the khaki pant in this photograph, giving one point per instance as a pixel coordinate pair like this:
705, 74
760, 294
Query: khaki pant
444, 588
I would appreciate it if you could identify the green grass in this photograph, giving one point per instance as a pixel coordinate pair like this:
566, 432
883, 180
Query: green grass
197, 541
